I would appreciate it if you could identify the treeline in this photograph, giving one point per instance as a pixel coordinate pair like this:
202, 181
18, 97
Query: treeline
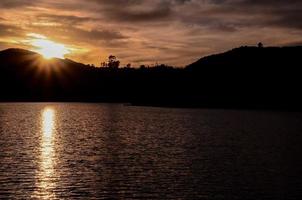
247, 77
114, 63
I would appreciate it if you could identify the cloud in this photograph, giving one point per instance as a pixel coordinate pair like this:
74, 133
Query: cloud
294, 43
259, 13
140, 15
15, 3
71, 33
96, 35
175, 32
135, 10
4, 45
64, 19
10, 30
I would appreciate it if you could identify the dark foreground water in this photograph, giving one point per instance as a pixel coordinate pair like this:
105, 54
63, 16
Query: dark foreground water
101, 151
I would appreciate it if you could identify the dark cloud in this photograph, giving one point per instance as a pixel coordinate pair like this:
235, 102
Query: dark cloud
175, 31
63, 19
10, 30
135, 10
260, 13
269, 3
158, 13
222, 15
289, 18
72, 33
295, 43
99, 34
15, 3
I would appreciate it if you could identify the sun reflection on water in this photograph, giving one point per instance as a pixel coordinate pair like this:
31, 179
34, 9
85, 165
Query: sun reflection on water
46, 174
48, 122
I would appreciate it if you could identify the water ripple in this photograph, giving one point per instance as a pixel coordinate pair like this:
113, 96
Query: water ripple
107, 151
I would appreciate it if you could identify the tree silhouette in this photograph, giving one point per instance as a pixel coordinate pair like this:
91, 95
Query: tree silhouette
104, 64
113, 62
260, 45
128, 65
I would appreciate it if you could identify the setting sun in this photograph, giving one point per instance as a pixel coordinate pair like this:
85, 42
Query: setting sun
47, 48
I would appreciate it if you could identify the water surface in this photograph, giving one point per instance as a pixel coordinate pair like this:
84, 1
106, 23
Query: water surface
101, 151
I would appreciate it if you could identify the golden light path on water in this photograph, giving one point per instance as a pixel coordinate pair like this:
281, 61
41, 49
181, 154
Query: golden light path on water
46, 173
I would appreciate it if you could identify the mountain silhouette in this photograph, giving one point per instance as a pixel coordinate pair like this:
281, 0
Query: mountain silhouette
245, 77
252, 75
256, 57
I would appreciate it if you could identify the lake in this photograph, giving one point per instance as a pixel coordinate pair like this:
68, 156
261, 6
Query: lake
111, 151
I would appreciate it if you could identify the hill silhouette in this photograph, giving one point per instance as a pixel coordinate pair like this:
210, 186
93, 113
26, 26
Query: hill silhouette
245, 77
265, 77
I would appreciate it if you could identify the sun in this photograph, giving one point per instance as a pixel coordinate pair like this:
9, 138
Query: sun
47, 48
50, 49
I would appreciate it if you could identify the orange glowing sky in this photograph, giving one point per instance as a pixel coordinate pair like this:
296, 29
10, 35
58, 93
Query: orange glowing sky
175, 32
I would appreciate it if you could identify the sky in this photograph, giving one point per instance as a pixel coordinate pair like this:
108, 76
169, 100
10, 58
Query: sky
174, 32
